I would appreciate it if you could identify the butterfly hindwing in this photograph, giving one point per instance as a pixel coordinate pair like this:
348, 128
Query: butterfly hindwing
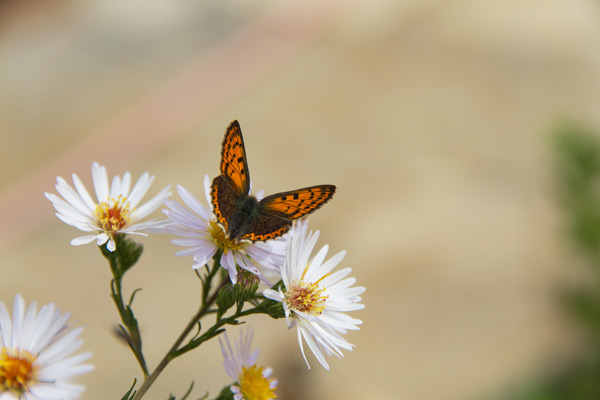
234, 166
265, 227
224, 200
297, 203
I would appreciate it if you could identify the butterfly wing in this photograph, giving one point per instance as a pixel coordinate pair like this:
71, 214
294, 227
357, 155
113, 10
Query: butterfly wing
234, 181
224, 200
278, 211
266, 226
234, 166
297, 203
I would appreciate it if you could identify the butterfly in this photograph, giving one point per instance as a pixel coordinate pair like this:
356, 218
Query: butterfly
244, 216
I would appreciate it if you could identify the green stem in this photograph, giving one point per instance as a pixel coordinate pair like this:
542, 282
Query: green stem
211, 274
132, 332
173, 351
214, 331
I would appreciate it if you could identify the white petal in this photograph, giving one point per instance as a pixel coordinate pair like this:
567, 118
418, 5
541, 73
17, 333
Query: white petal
207, 190
187, 242
184, 232
125, 184
5, 327
85, 226
184, 216
140, 189
71, 212
204, 245
186, 252
115, 187
314, 273
333, 262
273, 295
314, 348
100, 179
83, 193
72, 197
340, 320
228, 262
192, 202
200, 260
305, 251
49, 324
63, 347
18, 314
152, 204
334, 281
28, 326
78, 241
155, 225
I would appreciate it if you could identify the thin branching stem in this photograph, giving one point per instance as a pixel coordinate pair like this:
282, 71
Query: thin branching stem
175, 351
117, 296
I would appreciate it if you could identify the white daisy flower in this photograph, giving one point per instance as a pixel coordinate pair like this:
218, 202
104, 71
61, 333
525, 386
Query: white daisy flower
204, 237
254, 382
36, 354
115, 211
316, 299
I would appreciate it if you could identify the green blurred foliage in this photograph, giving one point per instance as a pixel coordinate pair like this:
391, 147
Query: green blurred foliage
578, 178
577, 169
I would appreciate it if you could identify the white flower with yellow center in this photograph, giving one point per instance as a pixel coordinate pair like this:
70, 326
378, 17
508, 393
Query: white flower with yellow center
204, 237
315, 299
115, 211
253, 382
36, 354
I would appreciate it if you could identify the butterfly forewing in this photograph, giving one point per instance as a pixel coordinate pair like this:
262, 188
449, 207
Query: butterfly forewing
297, 203
234, 166
224, 200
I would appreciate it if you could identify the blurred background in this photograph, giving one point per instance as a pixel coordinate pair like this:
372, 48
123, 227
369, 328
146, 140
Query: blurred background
434, 118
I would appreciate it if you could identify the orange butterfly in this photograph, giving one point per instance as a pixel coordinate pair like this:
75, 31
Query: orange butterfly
242, 215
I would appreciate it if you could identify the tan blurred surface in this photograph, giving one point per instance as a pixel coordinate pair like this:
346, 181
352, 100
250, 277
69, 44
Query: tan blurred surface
431, 117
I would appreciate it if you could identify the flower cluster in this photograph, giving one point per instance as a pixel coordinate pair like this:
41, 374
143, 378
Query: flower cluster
36, 360
315, 299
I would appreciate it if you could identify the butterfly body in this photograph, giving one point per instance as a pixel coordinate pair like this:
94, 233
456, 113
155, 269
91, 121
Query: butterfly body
247, 210
244, 216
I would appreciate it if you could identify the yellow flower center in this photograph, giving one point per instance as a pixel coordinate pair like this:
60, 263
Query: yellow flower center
220, 238
306, 297
17, 371
254, 386
113, 214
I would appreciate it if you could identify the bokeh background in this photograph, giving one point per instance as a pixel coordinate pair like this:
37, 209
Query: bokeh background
431, 116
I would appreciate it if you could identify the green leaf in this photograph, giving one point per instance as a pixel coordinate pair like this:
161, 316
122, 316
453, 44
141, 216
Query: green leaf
128, 252
185, 396
125, 256
130, 393
273, 308
225, 300
225, 394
